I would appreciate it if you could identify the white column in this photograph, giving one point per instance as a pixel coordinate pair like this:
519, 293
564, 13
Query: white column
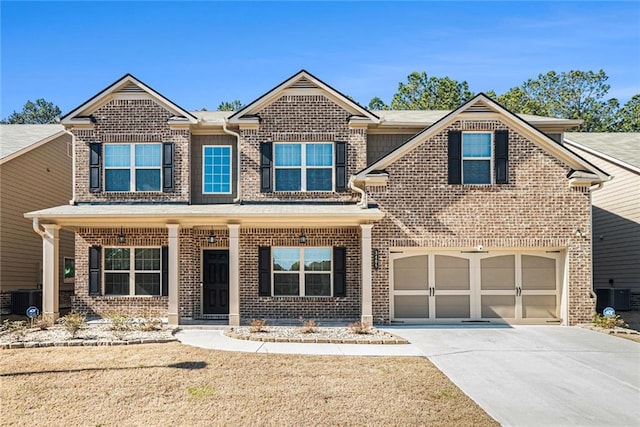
234, 274
367, 294
50, 271
174, 273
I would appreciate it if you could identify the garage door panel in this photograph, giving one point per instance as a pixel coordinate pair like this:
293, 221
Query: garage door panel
411, 273
539, 306
498, 306
538, 273
451, 273
498, 273
411, 307
453, 307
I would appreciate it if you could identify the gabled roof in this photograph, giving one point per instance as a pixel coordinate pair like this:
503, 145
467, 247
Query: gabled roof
16, 140
622, 148
482, 107
303, 81
126, 86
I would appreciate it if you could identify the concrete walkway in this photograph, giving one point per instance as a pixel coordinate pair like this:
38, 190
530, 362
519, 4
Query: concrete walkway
538, 375
521, 375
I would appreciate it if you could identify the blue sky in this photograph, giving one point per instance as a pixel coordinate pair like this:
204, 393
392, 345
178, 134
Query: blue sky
199, 54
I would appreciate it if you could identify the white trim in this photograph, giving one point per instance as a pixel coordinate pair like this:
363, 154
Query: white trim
490, 157
204, 147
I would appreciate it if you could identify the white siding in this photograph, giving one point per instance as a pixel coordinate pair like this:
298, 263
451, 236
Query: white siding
38, 179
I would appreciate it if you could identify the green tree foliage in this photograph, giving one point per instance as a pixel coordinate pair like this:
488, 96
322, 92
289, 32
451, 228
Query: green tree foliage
39, 112
234, 105
570, 95
421, 92
377, 104
629, 116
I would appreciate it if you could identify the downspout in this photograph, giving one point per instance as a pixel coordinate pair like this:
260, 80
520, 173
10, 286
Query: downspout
592, 293
362, 204
36, 227
73, 167
237, 135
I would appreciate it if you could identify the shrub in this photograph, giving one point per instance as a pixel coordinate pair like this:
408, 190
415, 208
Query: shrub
120, 322
41, 323
608, 322
17, 328
360, 328
308, 326
150, 322
258, 325
73, 322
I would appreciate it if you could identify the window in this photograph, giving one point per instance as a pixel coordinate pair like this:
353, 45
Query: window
303, 166
69, 270
216, 169
132, 271
132, 167
301, 271
476, 158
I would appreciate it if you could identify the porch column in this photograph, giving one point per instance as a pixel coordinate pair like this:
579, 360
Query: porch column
367, 294
50, 272
234, 274
174, 273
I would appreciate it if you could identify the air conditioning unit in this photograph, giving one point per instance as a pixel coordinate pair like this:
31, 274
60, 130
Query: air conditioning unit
22, 299
619, 299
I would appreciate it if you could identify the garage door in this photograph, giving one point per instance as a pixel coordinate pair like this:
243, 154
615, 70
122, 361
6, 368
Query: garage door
450, 287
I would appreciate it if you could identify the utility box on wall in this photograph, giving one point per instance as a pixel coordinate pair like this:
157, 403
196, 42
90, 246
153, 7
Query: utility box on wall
25, 298
619, 299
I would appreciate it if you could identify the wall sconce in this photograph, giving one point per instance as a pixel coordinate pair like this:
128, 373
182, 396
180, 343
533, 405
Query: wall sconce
303, 239
376, 258
121, 237
212, 237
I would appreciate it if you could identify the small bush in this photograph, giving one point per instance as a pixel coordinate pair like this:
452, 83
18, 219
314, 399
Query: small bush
73, 322
258, 325
41, 323
13, 325
308, 326
150, 322
360, 328
120, 322
608, 322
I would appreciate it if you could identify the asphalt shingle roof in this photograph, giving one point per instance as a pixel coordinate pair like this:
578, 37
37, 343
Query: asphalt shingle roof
14, 138
623, 146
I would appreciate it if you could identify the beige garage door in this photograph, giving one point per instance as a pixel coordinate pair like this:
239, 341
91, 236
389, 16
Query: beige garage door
487, 287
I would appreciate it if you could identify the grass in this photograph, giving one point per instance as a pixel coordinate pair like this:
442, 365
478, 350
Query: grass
172, 384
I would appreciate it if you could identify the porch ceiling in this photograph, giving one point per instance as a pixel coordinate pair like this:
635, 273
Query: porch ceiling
207, 215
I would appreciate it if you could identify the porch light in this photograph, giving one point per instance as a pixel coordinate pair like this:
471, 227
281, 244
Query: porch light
121, 237
212, 237
303, 239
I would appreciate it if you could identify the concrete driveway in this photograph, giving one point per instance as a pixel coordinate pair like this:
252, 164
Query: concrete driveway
538, 375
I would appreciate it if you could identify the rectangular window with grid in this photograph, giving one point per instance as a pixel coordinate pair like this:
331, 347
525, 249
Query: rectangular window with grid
132, 271
303, 166
302, 271
216, 169
132, 167
476, 158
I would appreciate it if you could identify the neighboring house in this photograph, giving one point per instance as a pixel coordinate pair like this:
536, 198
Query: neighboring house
616, 208
305, 204
35, 173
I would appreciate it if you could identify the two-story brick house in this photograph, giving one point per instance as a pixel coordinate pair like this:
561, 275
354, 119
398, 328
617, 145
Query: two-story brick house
305, 204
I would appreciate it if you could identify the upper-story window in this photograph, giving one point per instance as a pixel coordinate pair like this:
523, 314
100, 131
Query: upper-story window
303, 166
133, 167
216, 169
476, 158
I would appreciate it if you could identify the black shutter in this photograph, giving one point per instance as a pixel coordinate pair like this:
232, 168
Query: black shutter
264, 271
455, 157
339, 272
502, 156
266, 166
165, 271
341, 166
95, 167
95, 265
167, 166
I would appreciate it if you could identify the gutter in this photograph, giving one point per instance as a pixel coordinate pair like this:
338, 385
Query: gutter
363, 203
239, 181
36, 227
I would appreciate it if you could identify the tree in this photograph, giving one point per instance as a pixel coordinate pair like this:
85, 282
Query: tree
571, 95
421, 92
629, 116
377, 104
39, 112
234, 105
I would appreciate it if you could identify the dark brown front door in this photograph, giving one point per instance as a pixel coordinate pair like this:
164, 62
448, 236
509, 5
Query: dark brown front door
215, 282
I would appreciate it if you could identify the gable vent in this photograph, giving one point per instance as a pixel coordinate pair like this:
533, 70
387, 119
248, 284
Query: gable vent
303, 83
131, 88
479, 107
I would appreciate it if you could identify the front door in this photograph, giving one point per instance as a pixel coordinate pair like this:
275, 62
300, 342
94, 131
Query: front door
215, 282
